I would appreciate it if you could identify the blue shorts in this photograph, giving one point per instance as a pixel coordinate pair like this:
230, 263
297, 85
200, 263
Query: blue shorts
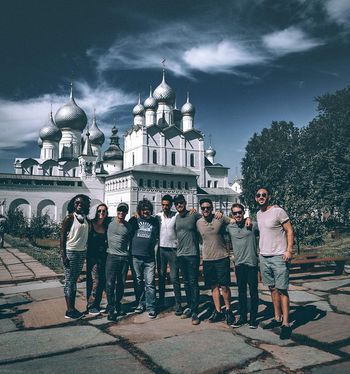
274, 271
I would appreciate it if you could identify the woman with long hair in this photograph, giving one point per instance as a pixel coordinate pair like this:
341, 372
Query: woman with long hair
96, 260
74, 237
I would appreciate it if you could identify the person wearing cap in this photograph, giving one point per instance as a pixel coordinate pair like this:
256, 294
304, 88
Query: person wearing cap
167, 253
145, 234
188, 255
117, 264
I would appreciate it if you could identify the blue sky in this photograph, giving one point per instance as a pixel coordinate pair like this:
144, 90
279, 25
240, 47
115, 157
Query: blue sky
245, 63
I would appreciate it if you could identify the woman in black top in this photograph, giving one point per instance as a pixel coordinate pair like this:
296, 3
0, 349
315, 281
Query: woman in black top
96, 260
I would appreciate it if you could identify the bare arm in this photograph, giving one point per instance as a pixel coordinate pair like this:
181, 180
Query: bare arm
66, 226
287, 227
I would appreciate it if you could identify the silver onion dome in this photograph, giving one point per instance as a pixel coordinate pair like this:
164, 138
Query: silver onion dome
188, 108
210, 152
70, 115
40, 142
150, 103
96, 135
164, 93
50, 131
138, 110
113, 152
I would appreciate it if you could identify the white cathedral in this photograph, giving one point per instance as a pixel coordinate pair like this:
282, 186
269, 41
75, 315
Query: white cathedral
163, 154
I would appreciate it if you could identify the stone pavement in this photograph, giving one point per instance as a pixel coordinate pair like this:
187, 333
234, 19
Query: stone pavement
36, 338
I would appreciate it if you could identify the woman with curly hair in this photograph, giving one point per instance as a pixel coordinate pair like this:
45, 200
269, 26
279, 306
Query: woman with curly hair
74, 237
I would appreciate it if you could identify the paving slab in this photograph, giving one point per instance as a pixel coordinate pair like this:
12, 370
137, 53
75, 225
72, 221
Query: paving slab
329, 329
33, 343
13, 300
346, 349
7, 325
105, 359
322, 305
344, 289
46, 293
327, 285
198, 352
262, 335
341, 302
160, 328
263, 365
47, 313
302, 297
340, 368
298, 357
29, 286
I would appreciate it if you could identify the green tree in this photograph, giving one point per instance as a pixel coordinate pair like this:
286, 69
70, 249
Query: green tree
17, 223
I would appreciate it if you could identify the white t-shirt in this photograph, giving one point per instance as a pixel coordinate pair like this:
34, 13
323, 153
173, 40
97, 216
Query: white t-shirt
167, 235
273, 239
78, 235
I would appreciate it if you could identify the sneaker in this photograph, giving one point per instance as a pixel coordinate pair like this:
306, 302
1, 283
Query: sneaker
112, 317
74, 314
241, 322
139, 309
253, 324
272, 324
94, 311
186, 314
195, 319
178, 310
152, 314
286, 332
216, 317
230, 318
120, 312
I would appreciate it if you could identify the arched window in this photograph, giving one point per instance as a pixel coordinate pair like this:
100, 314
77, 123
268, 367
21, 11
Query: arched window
141, 182
156, 183
209, 184
179, 186
172, 184
149, 183
215, 184
164, 184
173, 158
154, 156
186, 185
192, 160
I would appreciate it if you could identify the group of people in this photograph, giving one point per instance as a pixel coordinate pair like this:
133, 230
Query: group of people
171, 239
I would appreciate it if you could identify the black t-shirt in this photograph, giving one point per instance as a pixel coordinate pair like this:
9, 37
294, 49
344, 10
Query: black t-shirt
145, 233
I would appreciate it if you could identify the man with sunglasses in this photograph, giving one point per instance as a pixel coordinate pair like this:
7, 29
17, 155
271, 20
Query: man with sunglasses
167, 253
276, 248
216, 260
244, 246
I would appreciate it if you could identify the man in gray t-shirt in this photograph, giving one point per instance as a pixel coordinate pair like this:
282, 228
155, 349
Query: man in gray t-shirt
244, 248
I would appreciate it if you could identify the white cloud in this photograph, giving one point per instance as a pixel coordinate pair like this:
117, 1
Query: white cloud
338, 11
289, 40
21, 121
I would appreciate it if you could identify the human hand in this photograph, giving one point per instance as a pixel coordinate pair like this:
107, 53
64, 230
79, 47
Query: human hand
248, 223
218, 214
65, 260
193, 211
287, 256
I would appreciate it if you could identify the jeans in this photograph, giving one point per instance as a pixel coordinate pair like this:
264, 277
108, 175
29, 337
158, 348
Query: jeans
116, 273
72, 272
168, 256
144, 268
247, 275
95, 279
189, 266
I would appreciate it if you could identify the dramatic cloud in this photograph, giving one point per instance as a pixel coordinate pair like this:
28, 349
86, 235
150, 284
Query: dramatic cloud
338, 11
289, 40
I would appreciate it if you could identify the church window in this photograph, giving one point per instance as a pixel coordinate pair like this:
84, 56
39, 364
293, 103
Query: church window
179, 185
164, 184
186, 185
154, 156
173, 158
209, 184
216, 184
141, 182
172, 184
156, 183
133, 159
149, 183
192, 160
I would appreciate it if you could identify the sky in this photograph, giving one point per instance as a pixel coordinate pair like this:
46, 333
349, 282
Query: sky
245, 64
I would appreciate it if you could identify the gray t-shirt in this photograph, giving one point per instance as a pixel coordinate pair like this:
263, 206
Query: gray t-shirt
214, 247
187, 235
244, 244
118, 236
273, 240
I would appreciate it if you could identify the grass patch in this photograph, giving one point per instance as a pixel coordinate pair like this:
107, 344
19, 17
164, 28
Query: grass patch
48, 256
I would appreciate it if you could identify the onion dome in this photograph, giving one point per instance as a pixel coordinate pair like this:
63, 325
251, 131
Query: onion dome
40, 142
138, 110
50, 131
188, 109
113, 152
210, 152
70, 115
150, 103
164, 93
96, 135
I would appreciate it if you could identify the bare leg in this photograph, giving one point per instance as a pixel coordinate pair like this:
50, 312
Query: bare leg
216, 297
285, 306
226, 294
276, 300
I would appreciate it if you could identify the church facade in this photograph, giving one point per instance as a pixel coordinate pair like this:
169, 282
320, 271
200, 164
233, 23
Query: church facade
163, 153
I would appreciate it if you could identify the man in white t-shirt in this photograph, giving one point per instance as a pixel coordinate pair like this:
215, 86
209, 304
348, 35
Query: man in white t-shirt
276, 247
167, 253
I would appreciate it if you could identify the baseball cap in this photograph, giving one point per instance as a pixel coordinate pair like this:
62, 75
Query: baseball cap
179, 198
123, 206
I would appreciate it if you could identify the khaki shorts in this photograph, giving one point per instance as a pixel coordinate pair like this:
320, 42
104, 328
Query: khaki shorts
274, 271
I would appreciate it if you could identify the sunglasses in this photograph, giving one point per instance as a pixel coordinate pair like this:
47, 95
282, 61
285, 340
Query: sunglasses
180, 203
261, 194
102, 211
122, 211
237, 213
165, 204
206, 208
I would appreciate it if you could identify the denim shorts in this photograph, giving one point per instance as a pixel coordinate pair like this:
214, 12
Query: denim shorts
274, 271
